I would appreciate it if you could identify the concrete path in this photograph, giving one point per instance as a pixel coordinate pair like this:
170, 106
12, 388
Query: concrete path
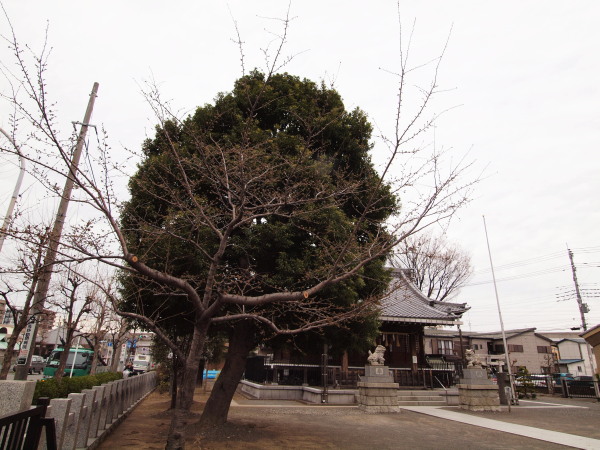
555, 437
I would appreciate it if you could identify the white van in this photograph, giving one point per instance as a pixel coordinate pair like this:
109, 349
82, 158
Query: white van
141, 364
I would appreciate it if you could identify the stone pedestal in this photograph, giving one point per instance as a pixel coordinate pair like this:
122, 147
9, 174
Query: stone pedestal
476, 392
377, 392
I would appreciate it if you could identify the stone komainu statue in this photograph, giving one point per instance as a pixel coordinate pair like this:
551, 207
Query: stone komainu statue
376, 358
472, 359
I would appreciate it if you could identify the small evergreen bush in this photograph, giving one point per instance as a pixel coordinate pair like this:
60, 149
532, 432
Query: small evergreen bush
525, 387
53, 388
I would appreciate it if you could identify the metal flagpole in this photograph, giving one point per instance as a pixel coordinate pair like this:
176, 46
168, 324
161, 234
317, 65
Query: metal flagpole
74, 356
506, 354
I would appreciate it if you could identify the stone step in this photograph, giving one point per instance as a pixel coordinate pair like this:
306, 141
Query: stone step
421, 392
420, 398
422, 403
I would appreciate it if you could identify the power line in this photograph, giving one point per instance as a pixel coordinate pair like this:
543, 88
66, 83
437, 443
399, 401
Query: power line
521, 276
541, 258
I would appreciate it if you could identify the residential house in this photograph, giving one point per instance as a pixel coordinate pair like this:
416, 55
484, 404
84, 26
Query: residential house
443, 345
592, 337
526, 348
573, 354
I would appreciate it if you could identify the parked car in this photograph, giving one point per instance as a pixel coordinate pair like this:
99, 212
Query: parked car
37, 364
531, 380
559, 377
539, 380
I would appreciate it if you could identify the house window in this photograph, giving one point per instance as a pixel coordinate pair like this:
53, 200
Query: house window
514, 348
499, 348
445, 347
544, 349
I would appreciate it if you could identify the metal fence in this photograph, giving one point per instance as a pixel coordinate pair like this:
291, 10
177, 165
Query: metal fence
531, 384
582, 389
23, 430
261, 370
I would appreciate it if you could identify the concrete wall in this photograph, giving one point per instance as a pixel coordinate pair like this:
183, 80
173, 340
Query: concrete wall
297, 393
82, 420
530, 357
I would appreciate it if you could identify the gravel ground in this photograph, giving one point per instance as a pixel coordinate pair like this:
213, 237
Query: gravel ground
273, 425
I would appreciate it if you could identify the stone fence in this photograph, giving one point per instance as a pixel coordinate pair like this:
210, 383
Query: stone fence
82, 420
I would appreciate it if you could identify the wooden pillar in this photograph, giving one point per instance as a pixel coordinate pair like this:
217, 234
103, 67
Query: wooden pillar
344, 367
414, 338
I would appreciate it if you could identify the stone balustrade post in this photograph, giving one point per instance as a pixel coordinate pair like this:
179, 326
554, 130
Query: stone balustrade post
16, 396
72, 429
60, 409
85, 424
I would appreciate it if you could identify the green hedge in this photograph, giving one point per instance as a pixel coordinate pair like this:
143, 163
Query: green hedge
53, 388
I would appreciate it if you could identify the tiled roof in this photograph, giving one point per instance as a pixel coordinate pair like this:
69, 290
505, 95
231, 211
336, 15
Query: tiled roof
576, 340
498, 334
569, 361
405, 303
558, 335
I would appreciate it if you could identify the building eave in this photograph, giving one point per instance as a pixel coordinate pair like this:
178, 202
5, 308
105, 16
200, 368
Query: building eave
420, 320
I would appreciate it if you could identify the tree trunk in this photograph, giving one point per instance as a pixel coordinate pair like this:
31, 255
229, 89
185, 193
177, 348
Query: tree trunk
241, 343
8, 355
200, 381
96, 349
185, 397
62, 365
174, 378
116, 354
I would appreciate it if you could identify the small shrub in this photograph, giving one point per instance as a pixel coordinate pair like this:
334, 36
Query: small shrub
163, 387
525, 387
53, 388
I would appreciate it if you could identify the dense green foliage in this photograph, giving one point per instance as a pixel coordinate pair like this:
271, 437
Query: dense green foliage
280, 141
53, 388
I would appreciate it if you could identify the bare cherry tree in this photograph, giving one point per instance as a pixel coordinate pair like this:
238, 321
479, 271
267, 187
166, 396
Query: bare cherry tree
118, 329
27, 267
439, 268
73, 301
101, 316
215, 189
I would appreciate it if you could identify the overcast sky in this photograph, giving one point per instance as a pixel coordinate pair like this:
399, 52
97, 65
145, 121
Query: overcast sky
521, 79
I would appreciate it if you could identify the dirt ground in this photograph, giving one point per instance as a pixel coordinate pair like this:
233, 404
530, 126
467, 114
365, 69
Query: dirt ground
274, 425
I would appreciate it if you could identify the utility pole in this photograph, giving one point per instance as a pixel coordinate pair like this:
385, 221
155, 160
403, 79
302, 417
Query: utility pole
41, 290
15, 195
582, 306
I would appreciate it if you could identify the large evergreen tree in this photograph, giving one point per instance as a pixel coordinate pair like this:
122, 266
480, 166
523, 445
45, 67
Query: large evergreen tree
268, 192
